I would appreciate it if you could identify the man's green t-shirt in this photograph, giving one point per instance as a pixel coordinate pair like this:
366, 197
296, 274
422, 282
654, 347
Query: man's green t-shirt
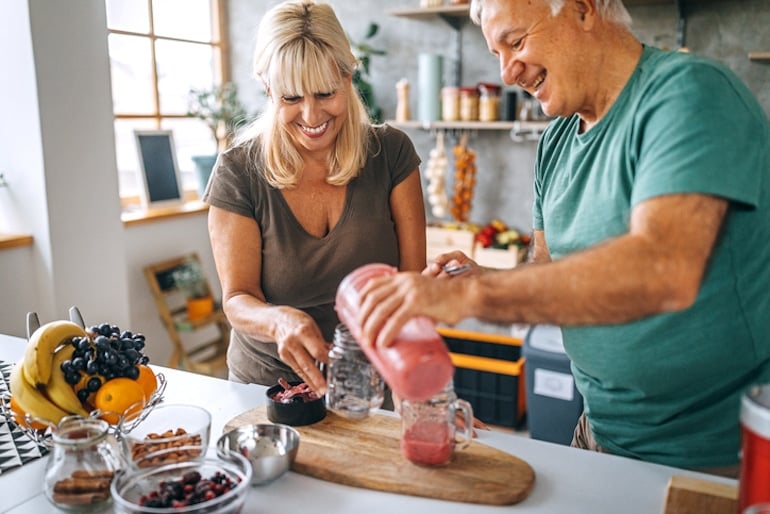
667, 388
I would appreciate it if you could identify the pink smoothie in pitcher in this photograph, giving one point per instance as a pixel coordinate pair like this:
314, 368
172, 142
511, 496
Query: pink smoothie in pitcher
417, 365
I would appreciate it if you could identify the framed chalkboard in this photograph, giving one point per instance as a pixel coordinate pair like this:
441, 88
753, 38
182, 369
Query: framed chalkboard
160, 177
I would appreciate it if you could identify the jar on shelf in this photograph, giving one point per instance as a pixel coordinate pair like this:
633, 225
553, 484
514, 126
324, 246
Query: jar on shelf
85, 458
431, 3
450, 103
489, 101
469, 104
354, 388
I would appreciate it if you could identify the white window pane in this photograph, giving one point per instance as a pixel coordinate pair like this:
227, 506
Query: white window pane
131, 68
181, 66
129, 15
192, 137
195, 24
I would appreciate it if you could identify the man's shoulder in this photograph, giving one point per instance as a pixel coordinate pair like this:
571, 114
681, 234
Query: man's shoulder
668, 66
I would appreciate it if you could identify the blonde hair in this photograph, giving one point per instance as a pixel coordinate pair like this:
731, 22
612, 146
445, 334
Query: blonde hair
301, 50
611, 10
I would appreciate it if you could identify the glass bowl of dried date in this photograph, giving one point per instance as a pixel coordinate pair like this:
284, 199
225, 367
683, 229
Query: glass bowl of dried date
170, 433
214, 484
294, 403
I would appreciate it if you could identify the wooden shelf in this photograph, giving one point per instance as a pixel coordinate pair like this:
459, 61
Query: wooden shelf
760, 56
15, 240
470, 125
447, 10
464, 9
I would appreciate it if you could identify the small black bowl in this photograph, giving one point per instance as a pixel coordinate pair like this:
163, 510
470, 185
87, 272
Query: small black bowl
297, 413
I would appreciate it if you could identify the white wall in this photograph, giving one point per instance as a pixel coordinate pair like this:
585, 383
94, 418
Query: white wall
57, 152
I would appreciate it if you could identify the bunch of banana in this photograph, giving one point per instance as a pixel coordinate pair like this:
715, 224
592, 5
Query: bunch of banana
37, 382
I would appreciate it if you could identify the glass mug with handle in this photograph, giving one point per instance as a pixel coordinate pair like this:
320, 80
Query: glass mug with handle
429, 432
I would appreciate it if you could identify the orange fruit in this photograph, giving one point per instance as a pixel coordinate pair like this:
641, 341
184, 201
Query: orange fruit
119, 397
147, 380
20, 414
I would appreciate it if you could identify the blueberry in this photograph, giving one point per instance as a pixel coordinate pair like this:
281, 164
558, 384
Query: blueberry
83, 344
131, 372
79, 363
123, 362
102, 342
93, 384
92, 367
72, 378
83, 395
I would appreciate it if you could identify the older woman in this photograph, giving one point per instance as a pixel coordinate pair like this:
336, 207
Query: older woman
308, 193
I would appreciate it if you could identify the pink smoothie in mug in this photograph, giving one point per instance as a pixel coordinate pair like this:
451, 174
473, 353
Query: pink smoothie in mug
417, 365
429, 443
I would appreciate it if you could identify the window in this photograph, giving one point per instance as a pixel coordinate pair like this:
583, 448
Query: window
159, 50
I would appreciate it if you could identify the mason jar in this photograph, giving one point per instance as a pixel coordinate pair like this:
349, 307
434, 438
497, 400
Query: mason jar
354, 388
84, 459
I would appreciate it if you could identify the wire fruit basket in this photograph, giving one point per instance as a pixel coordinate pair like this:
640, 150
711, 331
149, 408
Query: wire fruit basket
40, 430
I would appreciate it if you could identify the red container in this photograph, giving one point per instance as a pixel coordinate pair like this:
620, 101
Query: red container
417, 365
755, 462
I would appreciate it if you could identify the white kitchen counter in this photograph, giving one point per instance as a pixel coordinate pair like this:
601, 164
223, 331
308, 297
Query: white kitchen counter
567, 480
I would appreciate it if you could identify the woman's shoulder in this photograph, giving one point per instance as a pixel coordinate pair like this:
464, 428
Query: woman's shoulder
387, 132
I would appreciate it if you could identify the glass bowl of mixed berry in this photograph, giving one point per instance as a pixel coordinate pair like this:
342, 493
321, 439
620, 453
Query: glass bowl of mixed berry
215, 484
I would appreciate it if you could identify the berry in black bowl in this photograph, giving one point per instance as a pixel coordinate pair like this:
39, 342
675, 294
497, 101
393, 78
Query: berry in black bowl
294, 403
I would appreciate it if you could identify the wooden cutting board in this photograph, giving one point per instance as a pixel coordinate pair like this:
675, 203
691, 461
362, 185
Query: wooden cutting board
687, 495
366, 454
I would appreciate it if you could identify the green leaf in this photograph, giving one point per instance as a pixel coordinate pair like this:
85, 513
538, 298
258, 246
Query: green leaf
372, 30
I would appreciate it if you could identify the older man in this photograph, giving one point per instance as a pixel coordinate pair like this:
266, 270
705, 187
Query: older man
651, 242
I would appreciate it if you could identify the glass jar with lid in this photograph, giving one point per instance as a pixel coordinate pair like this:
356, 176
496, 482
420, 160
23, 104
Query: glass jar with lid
450, 103
489, 102
354, 388
85, 457
469, 104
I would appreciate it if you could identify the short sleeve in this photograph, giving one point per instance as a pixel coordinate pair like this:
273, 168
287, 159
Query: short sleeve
231, 186
399, 149
698, 133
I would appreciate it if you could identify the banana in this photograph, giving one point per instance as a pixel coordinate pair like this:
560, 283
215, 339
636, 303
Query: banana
59, 390
38, 357
30, 399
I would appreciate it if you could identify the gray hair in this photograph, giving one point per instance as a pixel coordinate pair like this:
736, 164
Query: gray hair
611, 10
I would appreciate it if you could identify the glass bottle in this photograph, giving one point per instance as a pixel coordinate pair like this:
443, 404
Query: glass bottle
85, 457
417, 364
354, 388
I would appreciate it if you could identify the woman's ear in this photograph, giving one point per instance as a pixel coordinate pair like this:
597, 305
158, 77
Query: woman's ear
267, 89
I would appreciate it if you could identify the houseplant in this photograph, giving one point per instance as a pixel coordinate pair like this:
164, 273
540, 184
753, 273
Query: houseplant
361, 80
189, 279
222, 112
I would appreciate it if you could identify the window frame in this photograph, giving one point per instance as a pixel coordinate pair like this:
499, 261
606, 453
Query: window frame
221, 71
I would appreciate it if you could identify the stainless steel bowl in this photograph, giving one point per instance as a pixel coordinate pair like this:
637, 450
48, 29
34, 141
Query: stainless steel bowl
271, 449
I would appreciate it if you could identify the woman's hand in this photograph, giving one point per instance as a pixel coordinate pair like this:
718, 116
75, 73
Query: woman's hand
301, 346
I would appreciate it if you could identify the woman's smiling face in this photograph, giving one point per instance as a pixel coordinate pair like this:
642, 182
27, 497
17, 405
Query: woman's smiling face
314, 120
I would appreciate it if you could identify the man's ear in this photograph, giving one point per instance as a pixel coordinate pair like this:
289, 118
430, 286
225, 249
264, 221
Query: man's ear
586, 10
